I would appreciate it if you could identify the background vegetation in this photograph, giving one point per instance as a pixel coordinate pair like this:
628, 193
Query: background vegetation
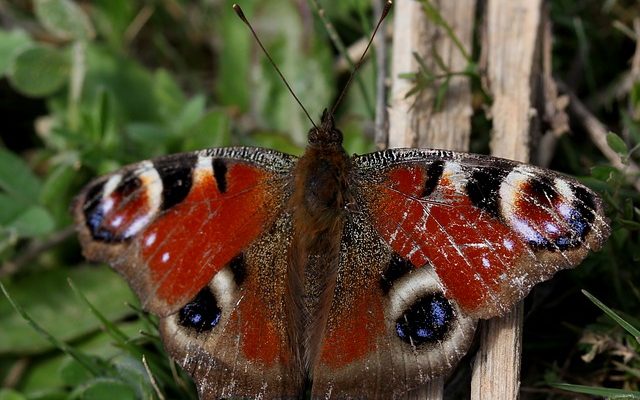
89, 86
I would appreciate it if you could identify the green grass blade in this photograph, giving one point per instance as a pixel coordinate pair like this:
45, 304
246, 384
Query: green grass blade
596, 391
82, 359
624, 324
111, 328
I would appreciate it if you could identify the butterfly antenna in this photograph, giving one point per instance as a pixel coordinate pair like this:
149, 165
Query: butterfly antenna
241, 15
385, 11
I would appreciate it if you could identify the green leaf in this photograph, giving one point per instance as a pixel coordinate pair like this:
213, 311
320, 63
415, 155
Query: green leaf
132, 371
64, 18
104, 389
47, 298
10, 44
605, 172
168, 94
616, 144
50, 370
624, 324
90, 364
17, 179
233, 85
8, 394
35, 221
190, 114
56, 190
39, 71
131, 87
9, 208
275, 141
213, 130
72, 373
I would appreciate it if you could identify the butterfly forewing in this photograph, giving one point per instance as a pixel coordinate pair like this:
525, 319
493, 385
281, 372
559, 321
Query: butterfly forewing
171, 224
491, 228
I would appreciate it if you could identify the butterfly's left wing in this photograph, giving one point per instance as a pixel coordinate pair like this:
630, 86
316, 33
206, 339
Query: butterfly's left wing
170, 224
202, 238
491, 228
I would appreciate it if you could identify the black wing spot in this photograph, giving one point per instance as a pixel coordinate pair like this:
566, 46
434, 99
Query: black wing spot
426, 321
177, 178
586, 207
580, 219
239, 269
543, 188
483, 188
220, 174
434, 172
201, 314
94, 213
397, 268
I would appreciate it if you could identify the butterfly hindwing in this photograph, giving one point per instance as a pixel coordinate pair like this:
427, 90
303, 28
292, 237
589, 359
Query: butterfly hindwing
390, 327
232, 337
171, 224
491, 228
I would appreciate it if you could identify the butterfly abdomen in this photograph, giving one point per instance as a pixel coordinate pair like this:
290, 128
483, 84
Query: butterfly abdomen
321, 193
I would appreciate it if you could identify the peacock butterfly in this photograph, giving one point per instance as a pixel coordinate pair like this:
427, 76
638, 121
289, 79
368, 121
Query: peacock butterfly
349, 276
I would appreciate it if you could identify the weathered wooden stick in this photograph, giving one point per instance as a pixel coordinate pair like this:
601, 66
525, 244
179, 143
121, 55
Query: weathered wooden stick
511, 49
414, 121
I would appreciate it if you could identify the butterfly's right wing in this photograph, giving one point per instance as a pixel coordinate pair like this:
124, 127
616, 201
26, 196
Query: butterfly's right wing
491, 228
390, 327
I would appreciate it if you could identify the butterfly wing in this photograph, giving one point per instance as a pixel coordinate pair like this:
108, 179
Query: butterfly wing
433, 241
232, 337
200, 237
491, 228
169, 225
390, 327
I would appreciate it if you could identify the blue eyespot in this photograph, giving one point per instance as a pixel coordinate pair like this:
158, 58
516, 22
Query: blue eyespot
202, 313
427, 320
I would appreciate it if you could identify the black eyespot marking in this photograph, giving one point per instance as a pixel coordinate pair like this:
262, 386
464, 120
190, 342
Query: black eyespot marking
220, 174
128, 185
542, 188
434, 172
239, 269
177, 179
580, 218
483, 188
397, 268
202, 313
94, 213
427, 320
585, 207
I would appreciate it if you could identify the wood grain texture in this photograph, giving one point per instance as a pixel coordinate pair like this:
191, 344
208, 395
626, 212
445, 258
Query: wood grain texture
413, 121
511, 49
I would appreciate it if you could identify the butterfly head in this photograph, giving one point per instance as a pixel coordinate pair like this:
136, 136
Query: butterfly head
326, 134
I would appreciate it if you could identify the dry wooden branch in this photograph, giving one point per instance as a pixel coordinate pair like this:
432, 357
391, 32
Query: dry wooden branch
511, 49
413, 121
598, 133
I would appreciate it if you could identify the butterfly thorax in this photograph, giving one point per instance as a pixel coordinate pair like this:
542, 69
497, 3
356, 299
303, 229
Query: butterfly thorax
318, 206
